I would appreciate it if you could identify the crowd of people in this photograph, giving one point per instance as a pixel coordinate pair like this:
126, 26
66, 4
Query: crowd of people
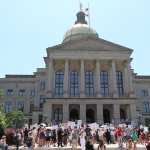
84, 135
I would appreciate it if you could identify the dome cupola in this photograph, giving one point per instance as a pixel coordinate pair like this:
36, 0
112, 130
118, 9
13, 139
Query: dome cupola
80, 29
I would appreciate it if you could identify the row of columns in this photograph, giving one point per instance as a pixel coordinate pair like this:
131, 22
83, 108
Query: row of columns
128, 86
116, 112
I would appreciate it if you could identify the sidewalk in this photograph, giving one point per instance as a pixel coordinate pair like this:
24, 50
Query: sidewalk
109, 147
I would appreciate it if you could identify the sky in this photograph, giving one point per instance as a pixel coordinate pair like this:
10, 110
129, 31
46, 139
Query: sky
28, 27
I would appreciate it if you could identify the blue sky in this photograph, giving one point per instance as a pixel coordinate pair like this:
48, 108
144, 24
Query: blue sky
28, 27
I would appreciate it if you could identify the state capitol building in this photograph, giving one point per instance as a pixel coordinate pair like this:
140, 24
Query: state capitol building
85, 78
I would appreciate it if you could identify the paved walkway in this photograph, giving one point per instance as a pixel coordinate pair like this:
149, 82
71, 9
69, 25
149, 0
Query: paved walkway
109, 147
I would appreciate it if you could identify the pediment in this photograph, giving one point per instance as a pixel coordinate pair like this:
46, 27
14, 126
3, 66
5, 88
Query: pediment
91, 44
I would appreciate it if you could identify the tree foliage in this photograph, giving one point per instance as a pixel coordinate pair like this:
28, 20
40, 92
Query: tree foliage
3, 121
15, 119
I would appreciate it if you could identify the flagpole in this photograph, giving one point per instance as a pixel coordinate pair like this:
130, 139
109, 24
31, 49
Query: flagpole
80, 4
89, 16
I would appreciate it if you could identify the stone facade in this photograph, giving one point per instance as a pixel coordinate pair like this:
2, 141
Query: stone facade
85, 78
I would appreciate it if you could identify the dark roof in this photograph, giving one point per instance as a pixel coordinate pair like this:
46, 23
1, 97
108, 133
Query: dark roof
20, 76
142, 77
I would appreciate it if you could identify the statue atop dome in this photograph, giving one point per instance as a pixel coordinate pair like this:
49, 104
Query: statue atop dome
81, 17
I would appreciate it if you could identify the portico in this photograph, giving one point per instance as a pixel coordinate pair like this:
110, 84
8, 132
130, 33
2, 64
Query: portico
96, 66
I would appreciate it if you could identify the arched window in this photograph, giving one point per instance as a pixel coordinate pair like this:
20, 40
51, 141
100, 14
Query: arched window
120, 83
59, 78
74, 83
104, 83
89, 83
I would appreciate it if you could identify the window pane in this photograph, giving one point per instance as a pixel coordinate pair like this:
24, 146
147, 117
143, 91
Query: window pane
74, 83
120, 83
20, 105
104, 83
146, 107
89, 83
21, 92
9, 92
59, 77
8, 106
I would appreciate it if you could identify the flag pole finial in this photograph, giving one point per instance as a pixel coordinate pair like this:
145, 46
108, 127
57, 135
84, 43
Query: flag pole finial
81, 6
89, 18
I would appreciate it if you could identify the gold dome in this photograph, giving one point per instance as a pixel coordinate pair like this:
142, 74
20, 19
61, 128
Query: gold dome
79, 31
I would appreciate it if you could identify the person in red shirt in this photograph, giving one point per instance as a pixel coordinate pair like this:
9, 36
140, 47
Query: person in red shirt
118, 135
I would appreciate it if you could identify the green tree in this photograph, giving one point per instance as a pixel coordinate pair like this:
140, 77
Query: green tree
15, 119
3, 122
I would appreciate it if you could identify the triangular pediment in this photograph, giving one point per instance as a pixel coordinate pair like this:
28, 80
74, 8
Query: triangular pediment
91, 44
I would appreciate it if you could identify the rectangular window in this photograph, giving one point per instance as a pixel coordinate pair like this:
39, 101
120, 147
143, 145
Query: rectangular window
74, 84
119, 77
32, 93
8, 106
31, 107
144, 93
89, 83
21, 92
20, 105
59, 79
10, 92
42, 100
42, 85
146, 107
104, 83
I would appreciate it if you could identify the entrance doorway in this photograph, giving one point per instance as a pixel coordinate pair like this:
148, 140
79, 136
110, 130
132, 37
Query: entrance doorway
74, 115
106, 116
123, 115
40, 118
57, 112
90, 116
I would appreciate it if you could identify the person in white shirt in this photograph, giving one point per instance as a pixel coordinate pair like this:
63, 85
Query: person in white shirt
82, 141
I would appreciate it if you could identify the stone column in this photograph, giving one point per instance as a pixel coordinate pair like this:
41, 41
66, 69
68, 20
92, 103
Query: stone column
83, 112
66, 78
50, 78
82, 79
100, 113
116, 113
97, 81
133, 112
35, 117
114, 80
65, 112
36, 98
48, 112
126, 80
131, 89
